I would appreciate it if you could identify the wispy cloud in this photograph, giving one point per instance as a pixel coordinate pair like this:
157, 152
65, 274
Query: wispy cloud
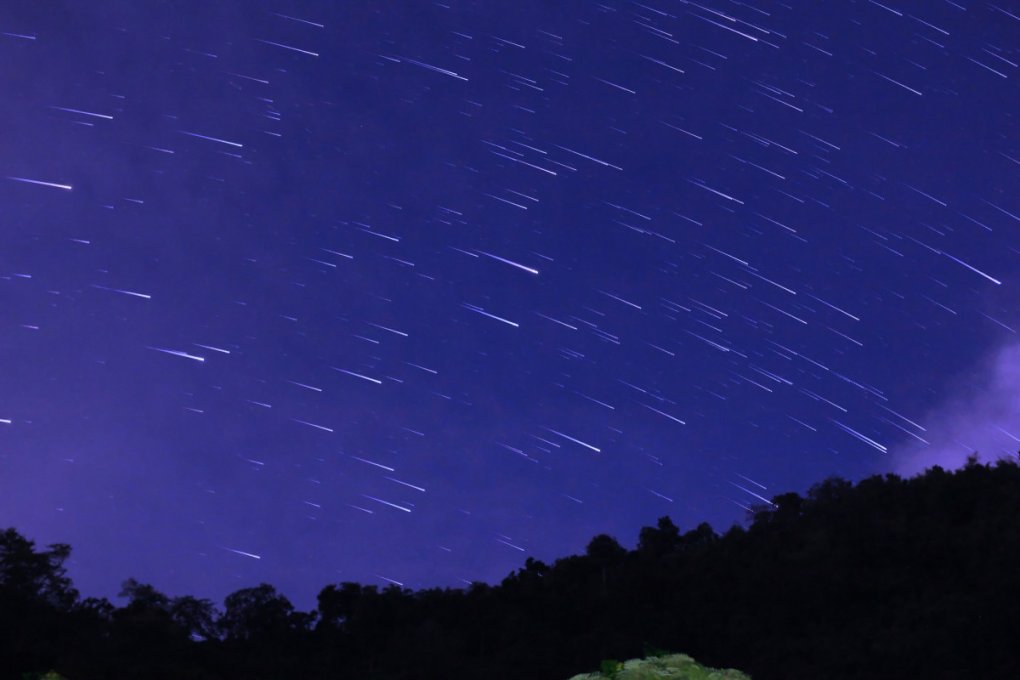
983, 417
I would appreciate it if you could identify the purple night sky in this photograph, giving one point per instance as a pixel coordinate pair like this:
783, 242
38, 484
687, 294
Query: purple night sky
407, 292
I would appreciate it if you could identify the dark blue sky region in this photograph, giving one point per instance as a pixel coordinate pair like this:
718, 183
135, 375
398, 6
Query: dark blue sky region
408, 292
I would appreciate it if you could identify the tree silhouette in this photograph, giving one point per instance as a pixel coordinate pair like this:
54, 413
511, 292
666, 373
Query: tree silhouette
888, 577
35, 576
657, 542
260, 614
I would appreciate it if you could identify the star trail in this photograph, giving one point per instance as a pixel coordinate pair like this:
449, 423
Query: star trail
314, 292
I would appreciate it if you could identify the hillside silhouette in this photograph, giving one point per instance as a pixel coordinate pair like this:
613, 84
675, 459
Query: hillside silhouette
886, 578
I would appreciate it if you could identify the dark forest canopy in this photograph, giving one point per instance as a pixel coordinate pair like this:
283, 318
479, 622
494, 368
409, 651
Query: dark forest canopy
891, 577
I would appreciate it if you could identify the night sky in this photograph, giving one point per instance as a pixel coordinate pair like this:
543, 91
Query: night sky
407, 292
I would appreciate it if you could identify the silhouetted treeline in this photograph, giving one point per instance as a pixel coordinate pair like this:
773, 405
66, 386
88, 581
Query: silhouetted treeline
888, 578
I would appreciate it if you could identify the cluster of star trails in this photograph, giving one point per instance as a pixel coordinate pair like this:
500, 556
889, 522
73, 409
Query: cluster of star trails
497, 274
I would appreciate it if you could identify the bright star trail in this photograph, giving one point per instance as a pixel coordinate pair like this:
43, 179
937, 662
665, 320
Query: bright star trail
422, 289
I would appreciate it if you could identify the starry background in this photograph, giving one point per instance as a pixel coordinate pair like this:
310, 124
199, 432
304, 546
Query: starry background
406, 292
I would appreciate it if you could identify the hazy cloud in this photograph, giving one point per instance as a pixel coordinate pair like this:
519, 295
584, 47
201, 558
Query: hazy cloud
983, 417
